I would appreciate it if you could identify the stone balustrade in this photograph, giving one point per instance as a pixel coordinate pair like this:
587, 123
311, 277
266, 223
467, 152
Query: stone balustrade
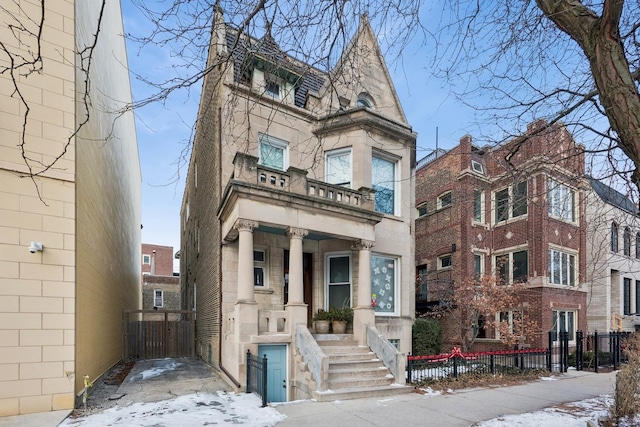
294, 180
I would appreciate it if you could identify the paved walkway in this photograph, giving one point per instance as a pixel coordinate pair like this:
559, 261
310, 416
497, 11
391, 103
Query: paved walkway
462, 408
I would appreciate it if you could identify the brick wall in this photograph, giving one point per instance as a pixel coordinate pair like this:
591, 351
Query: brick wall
160, 257
534, 158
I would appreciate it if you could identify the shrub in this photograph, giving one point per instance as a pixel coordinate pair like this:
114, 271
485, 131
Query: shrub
321, 314
427, 337
341, 313
626, 402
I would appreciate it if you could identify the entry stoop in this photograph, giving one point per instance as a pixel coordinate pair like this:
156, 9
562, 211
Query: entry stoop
355, 371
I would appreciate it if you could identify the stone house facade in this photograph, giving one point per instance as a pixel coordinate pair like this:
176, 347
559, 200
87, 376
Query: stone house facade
613, 260
514, 211
61, 306
299, 197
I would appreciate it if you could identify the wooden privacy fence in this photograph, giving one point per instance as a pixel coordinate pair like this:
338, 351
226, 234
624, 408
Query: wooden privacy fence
154, 334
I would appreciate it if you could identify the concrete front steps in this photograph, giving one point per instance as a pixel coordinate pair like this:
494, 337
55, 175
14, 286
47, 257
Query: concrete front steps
354, 371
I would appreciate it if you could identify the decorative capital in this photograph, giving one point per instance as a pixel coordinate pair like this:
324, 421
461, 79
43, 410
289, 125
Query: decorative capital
245, 225
362, 245
297, 233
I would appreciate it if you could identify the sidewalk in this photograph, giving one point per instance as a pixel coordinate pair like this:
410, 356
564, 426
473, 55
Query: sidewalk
462, 408
151, 381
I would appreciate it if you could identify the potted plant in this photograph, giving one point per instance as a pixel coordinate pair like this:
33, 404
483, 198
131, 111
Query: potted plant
340, 316
321, 321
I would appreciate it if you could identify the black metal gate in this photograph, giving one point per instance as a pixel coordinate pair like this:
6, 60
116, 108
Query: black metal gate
558, 359
257, 376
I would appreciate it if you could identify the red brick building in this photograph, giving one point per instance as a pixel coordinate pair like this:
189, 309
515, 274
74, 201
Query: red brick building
518, 206
160, 288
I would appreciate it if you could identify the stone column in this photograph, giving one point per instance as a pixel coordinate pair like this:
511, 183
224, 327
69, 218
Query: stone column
296, 286
363, 313
245, 259
295, 306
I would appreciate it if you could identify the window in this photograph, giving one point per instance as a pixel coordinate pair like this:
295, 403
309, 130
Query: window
510, 320
338, 281
422, 210
480, 329
626, 241
444, 262
478, 266
146, 259
478, 204
273, 152
158, 298
338, 167
561, 201
637, 297
364, 100
273, 89
384, 277
477, 167
511, 202
421, 288
562, 268
444, 200
563, 321
614, 237
383, 180
626, 296
512, 267
259, 264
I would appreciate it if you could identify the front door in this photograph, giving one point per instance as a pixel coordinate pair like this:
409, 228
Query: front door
276, 371
307, 268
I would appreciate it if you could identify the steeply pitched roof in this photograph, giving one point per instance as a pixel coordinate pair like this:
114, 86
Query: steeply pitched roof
268, 48
613, 197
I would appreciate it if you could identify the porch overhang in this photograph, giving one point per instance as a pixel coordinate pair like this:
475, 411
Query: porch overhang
279, 209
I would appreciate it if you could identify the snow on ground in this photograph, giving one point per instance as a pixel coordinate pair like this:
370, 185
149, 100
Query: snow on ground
574, 414
223, 409
166, 366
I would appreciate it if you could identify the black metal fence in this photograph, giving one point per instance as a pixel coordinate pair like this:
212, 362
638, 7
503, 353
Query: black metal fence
257, 376
593, 352
598, 351
456, 363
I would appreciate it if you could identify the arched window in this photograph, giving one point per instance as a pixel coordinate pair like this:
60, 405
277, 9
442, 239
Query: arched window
365, 100
614, 237
626, 239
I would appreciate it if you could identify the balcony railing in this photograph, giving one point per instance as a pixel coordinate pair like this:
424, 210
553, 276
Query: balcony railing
294, 180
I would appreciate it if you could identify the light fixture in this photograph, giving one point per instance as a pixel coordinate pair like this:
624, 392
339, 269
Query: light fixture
35, 247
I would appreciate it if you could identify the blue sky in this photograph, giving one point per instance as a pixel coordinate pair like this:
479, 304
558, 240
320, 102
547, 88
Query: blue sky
164, 129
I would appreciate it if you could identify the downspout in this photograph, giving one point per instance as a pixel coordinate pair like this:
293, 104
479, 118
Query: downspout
222, 368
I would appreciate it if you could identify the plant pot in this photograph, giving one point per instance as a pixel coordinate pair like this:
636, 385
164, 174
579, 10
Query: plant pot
339, 326
322, 326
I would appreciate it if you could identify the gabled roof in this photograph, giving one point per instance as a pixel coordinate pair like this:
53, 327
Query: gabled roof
613, 197
267, 48
365, 44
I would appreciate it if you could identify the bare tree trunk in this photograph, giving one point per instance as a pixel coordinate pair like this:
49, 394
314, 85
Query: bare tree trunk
599, 38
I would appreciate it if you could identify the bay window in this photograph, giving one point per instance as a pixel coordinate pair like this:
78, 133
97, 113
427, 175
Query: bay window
561, 201
384, 281
383, 180
561, 268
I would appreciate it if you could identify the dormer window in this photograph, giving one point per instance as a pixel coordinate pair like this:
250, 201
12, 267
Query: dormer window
477, 167
272, 87
364, 100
